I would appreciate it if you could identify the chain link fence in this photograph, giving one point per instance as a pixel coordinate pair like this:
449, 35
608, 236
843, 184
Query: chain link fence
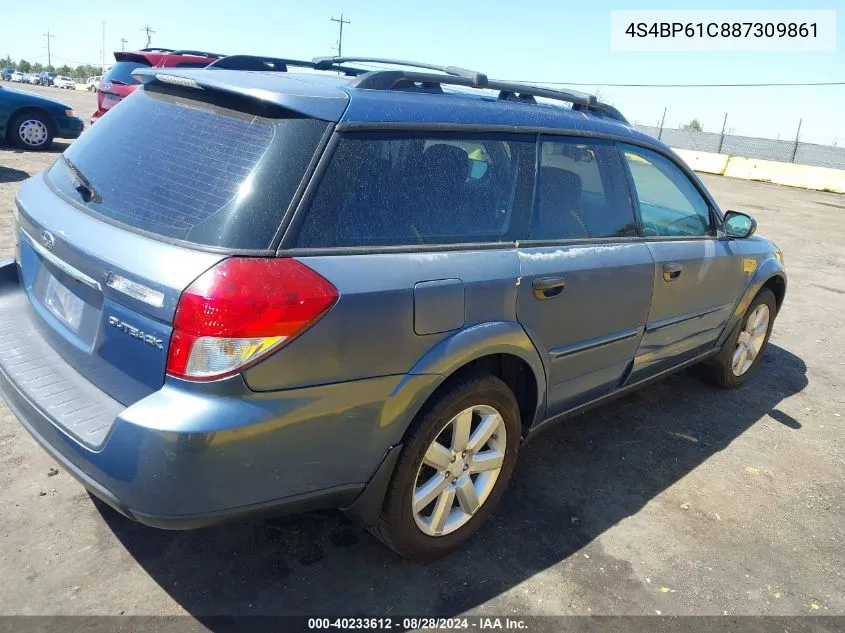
750, 147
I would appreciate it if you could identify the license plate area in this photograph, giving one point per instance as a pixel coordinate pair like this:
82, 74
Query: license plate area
63, 303
73, 307
110, 101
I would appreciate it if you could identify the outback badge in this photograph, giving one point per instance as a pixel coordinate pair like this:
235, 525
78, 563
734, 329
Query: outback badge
131, 330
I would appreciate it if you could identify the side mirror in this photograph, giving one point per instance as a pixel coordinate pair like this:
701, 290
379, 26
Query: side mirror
739, 225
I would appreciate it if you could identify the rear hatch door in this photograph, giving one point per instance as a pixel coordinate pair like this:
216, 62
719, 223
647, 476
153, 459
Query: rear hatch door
140, 206
118, 83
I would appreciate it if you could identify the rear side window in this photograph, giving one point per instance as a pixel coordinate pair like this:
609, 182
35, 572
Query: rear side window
121, 72
418, 190
191, 171
582, 192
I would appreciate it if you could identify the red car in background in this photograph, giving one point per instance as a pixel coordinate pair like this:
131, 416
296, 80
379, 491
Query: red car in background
118, 83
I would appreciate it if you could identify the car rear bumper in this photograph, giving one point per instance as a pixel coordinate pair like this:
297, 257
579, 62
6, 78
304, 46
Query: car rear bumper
191, 455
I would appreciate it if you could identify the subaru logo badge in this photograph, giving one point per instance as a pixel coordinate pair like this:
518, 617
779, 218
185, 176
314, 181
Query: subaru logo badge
48, 239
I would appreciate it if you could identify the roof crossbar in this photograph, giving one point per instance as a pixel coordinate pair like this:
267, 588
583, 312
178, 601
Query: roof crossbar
276, 64
327, 63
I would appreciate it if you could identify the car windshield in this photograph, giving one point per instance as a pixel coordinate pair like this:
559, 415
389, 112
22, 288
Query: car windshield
121, 72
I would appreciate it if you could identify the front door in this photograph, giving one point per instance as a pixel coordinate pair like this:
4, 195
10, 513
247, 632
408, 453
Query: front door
697, 276
586, 278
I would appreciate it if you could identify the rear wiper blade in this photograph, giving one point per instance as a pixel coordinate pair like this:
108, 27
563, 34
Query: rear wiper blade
81, 183
118, 82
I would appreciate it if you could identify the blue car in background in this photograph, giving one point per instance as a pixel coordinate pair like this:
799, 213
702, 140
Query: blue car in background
32, 122
248, 290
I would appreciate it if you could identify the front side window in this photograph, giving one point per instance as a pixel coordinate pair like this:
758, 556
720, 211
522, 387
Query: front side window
670, 205
383, 190
582, 192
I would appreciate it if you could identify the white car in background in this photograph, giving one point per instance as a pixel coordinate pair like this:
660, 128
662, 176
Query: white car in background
33, 79
17, 76
93, 83
62, 81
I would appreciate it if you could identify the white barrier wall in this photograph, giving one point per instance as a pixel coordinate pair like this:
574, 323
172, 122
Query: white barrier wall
804, 176
704, 161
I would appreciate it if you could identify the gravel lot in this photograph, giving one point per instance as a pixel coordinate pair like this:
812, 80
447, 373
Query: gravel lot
679, 499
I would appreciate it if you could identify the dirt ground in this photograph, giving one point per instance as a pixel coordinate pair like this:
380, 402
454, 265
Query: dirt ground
679, 499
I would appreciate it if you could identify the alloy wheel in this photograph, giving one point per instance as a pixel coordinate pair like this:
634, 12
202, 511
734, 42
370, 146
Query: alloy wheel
750, 341
459, 470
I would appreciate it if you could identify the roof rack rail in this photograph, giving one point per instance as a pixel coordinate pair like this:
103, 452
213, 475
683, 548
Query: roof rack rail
197, 53
508, 91
157, 49
328, 63
605, 109
277, 64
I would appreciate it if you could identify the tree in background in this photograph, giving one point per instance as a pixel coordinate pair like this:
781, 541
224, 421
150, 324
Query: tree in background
694, 125
37, 67
24, 66
7, 62
64, 70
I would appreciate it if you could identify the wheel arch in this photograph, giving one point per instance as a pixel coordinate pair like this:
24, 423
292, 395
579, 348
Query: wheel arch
501, 348
769, 274
777, 284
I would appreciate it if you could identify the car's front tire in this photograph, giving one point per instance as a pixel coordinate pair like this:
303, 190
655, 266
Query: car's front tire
454, 467
744, 349
31, 130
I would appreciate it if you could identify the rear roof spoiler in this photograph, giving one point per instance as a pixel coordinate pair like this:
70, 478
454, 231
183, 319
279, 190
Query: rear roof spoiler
308, 99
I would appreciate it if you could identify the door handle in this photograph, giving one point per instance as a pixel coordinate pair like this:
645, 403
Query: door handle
548, 287
671, 271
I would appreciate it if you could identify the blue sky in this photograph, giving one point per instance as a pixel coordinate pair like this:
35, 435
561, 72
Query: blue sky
540, 40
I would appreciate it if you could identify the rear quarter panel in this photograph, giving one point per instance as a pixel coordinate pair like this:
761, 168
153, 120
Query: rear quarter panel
370, 331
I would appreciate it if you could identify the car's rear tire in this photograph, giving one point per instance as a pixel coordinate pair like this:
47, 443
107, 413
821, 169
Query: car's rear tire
31, 130
744, 349
470, 428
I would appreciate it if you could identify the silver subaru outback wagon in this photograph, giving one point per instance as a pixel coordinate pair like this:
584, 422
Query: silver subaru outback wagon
249, 290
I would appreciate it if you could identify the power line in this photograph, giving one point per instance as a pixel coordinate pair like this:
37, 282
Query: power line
340, 22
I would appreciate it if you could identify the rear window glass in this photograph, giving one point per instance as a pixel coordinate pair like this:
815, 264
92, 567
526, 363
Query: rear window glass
190, 171
121, 72
415, 190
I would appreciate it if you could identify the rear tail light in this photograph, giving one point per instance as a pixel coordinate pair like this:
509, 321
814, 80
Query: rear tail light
239, 311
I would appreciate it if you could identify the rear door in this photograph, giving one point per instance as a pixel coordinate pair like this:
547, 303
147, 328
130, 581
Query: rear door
698, 278
136, 209
586, 277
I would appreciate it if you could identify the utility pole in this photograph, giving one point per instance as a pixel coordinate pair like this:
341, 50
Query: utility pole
103, 52
797, 136
123, 41
149, 31
722, 137
49, 36
662, 121
340, 22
